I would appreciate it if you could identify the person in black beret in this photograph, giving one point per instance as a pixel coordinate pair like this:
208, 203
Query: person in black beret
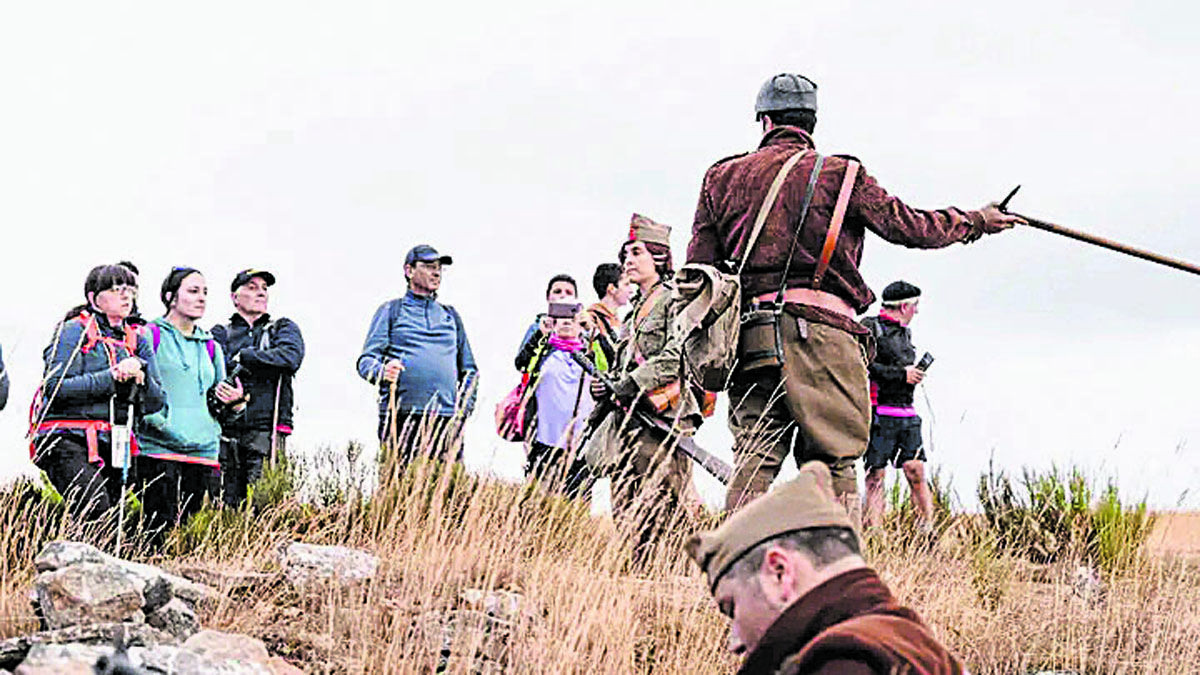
895, 425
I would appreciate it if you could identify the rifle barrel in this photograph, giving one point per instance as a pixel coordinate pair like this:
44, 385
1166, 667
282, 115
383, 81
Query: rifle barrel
1110, 244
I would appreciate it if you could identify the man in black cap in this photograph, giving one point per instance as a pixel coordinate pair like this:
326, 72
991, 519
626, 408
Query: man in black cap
266, 352
418, 354
895, 425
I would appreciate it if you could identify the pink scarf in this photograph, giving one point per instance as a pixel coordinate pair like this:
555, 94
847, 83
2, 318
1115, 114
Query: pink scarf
565, 345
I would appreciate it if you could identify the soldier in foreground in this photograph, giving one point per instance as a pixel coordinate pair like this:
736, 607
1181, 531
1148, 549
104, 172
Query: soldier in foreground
787, 571
803, 272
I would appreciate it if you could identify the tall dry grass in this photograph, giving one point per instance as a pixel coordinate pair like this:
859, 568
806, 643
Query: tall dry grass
587, 606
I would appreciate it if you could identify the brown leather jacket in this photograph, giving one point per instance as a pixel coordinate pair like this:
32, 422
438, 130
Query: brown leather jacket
734, 189
850, 625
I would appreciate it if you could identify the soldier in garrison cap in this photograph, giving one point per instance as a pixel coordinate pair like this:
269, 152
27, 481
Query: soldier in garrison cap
787, 571
651, 477
803, 270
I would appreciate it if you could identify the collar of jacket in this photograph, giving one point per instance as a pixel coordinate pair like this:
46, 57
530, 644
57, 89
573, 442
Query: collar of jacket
238, 318
787, 136
409, 295
887, 319
839, 599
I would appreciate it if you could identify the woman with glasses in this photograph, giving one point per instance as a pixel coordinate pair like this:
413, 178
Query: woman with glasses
179, 464
96, 368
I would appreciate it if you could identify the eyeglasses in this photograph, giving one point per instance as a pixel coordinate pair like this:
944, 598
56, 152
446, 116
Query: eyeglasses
120, 289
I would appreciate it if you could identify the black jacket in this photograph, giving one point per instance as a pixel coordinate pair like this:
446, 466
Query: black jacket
270, 353
893, 351
78, 384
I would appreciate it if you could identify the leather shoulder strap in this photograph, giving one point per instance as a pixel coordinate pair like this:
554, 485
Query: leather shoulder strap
835, 223
768, 204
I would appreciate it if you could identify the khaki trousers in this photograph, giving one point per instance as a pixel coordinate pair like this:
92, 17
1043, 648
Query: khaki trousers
648, 487
817, 405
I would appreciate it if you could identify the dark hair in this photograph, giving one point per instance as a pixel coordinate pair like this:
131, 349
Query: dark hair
170, 285
607, 274
821, 545
101, 278
805, 119
661, 254
561, 277
129, 266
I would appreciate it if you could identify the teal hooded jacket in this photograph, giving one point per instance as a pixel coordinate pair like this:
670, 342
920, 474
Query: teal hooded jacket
184, 430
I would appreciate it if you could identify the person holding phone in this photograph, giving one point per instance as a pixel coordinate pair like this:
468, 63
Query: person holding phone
895, 424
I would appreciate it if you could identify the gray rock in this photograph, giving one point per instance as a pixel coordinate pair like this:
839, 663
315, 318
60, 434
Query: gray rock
68, 659
184, 661
156, 585
1087, 585
15, 650
59, 554
175, 618
506, 605
464, 633
228, 646
307, 563
88, 592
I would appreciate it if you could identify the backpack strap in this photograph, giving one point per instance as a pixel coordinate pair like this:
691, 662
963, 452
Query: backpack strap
835, 224
211, 345
767, 205
155, 336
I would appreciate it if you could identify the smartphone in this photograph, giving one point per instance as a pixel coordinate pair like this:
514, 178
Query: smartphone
925, 362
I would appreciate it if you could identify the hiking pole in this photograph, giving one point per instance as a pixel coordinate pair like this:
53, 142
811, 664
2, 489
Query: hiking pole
122, 435
1099, 241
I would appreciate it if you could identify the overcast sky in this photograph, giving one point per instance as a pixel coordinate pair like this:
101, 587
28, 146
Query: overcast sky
322, 140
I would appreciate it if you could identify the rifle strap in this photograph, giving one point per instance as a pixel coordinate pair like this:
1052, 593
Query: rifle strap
835, 224
767, 205
808, 197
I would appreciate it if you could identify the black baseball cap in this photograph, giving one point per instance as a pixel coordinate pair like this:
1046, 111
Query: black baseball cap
428, 254
246, 275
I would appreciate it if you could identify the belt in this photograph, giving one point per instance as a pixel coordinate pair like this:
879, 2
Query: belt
813, 298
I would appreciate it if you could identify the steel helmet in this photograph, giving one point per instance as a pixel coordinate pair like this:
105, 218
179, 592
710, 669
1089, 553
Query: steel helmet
786, 91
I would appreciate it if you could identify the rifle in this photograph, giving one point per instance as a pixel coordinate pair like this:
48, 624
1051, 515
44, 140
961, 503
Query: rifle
1098, 241
709, 462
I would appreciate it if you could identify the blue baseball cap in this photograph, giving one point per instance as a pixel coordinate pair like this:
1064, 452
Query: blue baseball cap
426, 253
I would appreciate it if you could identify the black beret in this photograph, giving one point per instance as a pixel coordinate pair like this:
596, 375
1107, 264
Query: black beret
899, 291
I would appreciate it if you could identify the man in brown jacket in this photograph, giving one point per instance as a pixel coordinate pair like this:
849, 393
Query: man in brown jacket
818, 385
786, 570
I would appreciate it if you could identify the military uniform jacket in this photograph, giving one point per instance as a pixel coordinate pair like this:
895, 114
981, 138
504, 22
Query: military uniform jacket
649, 357
849, 625
733, 192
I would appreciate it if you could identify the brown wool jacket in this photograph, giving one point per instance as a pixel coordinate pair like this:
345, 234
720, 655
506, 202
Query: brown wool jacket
733, 192
849, 625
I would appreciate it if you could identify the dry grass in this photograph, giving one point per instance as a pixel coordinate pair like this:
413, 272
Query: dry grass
439, 532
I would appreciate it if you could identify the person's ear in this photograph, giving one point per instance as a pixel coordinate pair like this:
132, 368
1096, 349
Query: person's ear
91, 298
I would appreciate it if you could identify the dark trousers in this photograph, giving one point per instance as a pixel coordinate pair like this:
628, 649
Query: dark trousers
172, 492
244, 453
414, 434
549, 465
89, 489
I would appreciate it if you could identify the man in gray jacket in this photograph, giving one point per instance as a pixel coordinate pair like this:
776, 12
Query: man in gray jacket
418, 354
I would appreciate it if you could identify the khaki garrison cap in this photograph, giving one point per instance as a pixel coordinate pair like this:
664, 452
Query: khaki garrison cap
644, 229
800, 504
